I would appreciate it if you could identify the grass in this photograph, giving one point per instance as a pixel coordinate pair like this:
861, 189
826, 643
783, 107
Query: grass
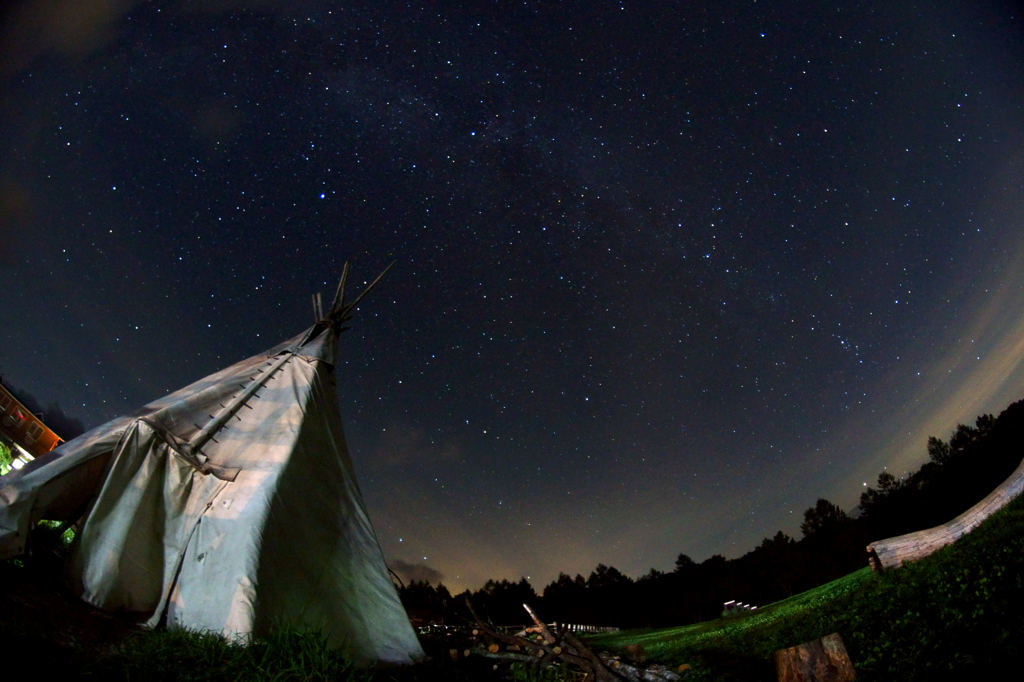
6, 459
183, 656
954, 614
284, 654
678, 645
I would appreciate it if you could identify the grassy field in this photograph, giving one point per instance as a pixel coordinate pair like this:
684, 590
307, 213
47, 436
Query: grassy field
954, 615
705, 641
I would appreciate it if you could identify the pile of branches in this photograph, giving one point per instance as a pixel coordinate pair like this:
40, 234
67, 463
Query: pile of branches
540, 646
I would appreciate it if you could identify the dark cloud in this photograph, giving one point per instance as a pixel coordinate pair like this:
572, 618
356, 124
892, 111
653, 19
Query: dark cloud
404, 444
421, 572
30, 29
217, 121
16, 214
33, 28
218, 6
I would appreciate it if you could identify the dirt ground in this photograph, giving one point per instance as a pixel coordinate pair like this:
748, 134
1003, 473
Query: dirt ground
40, 617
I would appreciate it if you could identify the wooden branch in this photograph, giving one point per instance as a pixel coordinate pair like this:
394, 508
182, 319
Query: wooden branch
545, 633
506, 656
574, 652
511, 640
367, 290
601, 673
565, 647
395, 576
339, 295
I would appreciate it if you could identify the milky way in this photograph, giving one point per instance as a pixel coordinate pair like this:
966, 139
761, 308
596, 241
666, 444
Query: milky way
665, 274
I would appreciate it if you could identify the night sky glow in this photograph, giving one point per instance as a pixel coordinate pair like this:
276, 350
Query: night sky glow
666, 273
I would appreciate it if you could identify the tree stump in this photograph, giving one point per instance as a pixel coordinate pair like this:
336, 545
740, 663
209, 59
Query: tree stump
822, 660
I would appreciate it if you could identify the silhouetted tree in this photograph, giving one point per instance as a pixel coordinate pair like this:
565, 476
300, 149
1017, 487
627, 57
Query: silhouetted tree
823, 516
938, 450
651, 575
606, 575
958, 474
985, 423
426, 604
713, 561
566, 599
962, 437
564, 586
888, 484
502, 601
684, 562
779, 541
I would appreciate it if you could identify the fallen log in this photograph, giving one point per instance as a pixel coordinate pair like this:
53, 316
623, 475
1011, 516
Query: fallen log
894, 552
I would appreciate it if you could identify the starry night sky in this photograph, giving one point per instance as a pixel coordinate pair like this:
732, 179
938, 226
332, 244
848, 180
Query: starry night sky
666, 272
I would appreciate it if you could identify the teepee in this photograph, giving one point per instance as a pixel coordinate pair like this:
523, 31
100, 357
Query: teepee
226, 506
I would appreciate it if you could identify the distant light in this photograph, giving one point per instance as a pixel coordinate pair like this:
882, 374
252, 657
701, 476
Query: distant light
322, 196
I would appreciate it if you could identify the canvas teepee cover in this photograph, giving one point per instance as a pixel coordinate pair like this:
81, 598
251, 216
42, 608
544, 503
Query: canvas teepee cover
226, 506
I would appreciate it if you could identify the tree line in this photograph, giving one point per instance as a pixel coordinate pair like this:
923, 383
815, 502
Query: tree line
959, 473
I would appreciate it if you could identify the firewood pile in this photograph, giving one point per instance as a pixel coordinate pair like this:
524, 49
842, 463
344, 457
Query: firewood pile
542, 646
